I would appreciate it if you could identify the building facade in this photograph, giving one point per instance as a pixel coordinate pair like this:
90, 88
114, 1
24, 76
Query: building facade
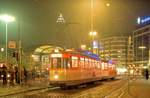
141, 43
115, 49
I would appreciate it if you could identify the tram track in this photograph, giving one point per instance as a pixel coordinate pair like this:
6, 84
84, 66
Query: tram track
32, 91
118, 92
122, 92
101, 92
97, 90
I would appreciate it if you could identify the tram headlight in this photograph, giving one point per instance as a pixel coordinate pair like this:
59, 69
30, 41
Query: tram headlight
2, 76
56, 77
8, 75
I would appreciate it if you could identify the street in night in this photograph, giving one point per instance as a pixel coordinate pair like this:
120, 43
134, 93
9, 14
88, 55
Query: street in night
74, 48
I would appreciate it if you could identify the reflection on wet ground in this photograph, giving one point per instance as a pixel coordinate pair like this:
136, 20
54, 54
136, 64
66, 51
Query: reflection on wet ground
80, 92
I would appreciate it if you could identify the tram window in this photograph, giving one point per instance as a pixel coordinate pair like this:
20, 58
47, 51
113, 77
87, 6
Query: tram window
67, 63
90, 63
103, 65
56, 63
98, 63
81, 62
86, 63
93, 64
74, 63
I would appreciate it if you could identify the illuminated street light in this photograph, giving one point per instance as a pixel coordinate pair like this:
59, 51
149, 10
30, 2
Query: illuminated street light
93, 33
2, 49
107, 4
142, 47
94, 43
83, 47
119, 51
6, 19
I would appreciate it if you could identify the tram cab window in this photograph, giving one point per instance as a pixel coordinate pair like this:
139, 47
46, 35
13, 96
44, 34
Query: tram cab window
56, 63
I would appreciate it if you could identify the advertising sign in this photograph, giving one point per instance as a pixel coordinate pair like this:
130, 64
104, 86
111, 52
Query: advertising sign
12, 44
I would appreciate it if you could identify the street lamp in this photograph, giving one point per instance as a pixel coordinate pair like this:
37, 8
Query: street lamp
142, 47
6, 18
107, 4
93, 35
83, 47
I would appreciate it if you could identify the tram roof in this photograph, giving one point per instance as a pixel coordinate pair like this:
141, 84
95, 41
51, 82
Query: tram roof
86, 53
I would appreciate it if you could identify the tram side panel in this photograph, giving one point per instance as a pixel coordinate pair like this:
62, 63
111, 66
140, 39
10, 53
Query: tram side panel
108, 70
71, 69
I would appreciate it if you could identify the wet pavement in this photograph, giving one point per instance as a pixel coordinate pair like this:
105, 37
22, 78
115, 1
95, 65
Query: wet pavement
120, 88
17, 88
98, 90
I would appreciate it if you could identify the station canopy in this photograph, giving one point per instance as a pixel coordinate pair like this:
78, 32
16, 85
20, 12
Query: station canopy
45, 49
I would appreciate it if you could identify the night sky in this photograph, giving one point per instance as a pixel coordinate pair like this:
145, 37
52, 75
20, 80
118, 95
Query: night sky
36, 20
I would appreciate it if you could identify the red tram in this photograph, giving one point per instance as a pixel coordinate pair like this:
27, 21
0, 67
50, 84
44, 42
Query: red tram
72, 68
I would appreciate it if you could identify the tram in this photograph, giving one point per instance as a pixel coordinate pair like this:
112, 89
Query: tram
69, 68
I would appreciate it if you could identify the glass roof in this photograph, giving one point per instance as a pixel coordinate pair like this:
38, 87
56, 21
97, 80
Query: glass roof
46, 49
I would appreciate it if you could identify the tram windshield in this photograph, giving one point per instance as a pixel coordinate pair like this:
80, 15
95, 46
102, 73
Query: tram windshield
60, 63
55, 63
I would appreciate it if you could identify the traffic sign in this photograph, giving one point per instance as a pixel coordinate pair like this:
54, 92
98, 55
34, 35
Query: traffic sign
12, 44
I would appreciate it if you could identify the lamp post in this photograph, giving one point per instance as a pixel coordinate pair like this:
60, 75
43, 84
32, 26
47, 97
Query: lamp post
83, 47
93, 35
6, 19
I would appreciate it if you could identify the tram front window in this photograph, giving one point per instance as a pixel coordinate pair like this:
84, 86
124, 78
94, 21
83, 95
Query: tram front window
60, 63
56, 63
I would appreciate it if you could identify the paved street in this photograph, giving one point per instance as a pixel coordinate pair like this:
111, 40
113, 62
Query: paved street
29, 86
139, 89
98, 90
136, 88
